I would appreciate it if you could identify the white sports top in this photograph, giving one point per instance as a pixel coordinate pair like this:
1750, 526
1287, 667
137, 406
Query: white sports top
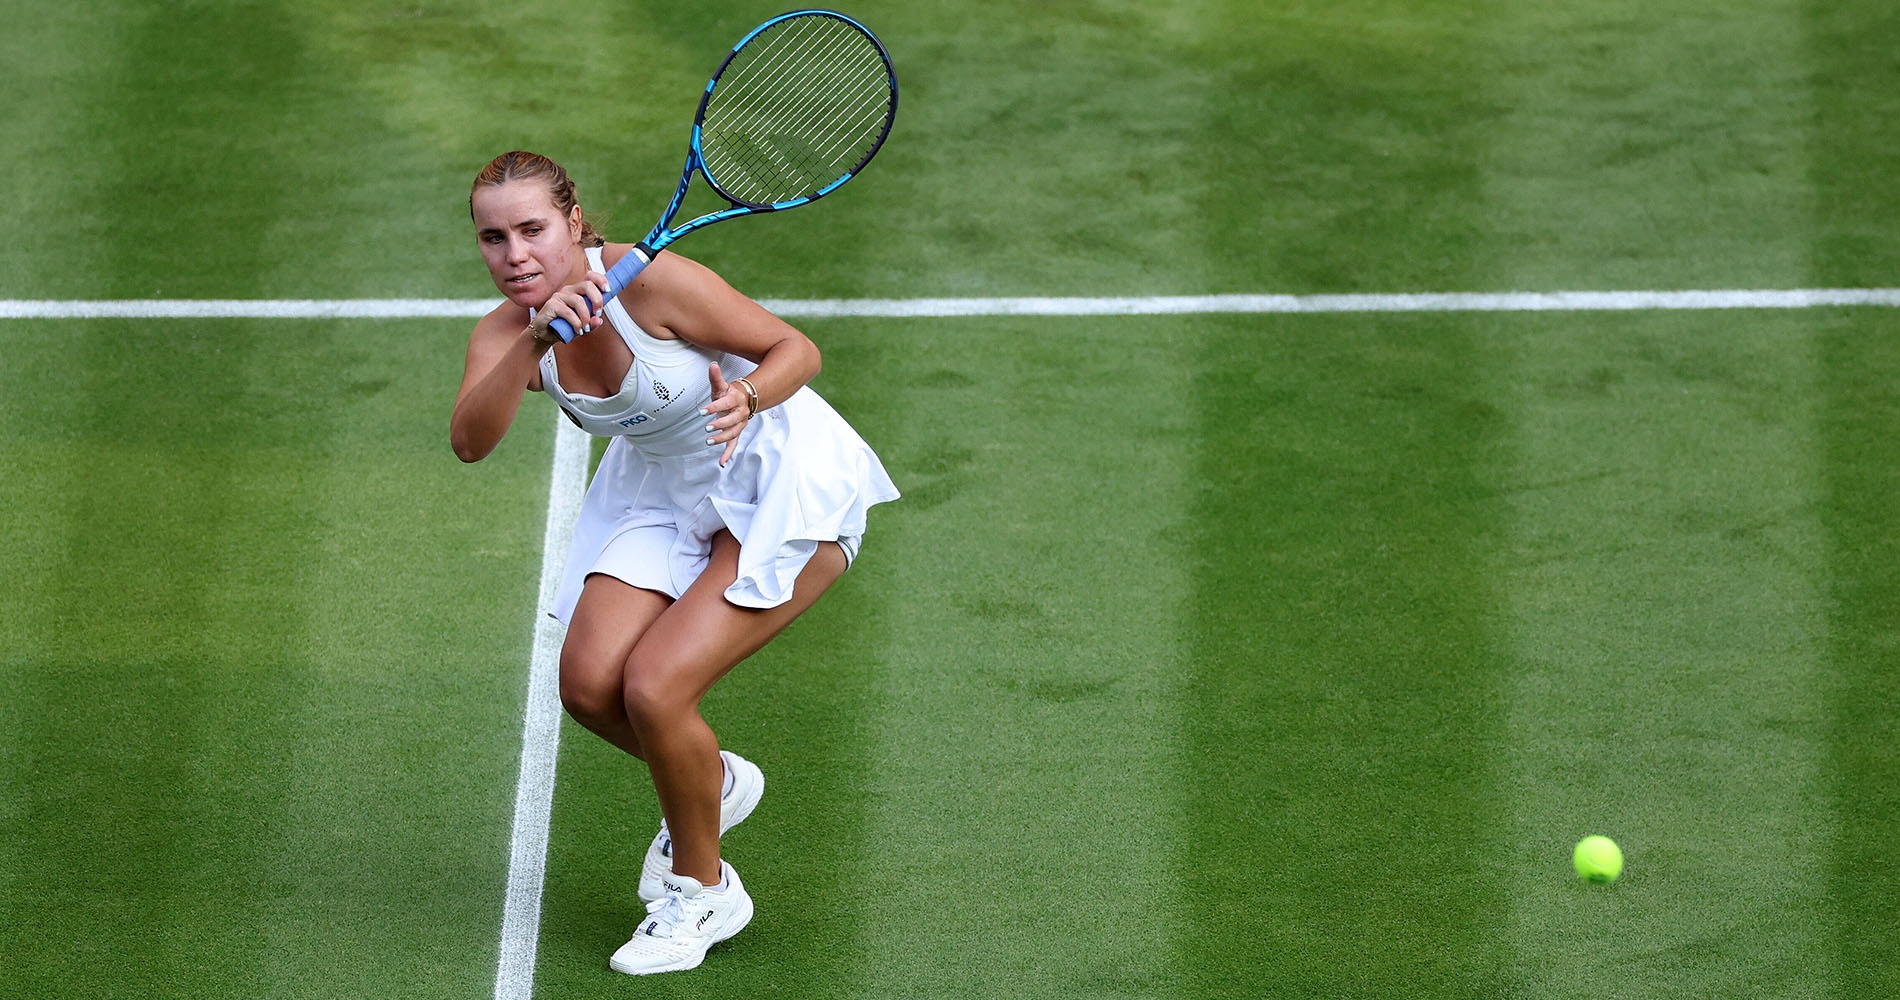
659, 401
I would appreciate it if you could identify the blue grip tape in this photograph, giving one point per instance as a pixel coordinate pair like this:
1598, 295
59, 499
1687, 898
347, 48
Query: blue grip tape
618, 278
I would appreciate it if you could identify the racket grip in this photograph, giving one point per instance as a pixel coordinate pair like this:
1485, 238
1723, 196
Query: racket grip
618, 278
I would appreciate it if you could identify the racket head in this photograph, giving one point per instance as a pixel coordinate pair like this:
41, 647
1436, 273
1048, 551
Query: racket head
797, 108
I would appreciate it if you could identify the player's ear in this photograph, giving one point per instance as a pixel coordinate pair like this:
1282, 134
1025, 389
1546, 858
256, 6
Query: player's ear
574, 222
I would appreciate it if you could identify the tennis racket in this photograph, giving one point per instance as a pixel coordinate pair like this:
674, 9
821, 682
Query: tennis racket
797, 108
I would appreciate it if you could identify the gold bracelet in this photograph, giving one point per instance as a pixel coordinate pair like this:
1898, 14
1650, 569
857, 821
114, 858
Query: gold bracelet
751, 396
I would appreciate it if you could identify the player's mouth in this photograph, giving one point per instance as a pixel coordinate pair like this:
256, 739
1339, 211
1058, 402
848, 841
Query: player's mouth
524, 279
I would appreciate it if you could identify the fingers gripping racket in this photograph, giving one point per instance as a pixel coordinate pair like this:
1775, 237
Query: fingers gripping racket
797, 108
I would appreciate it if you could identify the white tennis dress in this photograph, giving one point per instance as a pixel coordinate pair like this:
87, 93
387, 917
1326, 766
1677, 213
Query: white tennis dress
800, 476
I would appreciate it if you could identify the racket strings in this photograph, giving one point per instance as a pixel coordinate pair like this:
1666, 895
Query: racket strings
804, 60
799, 107
821, 86
795, 112
823, 74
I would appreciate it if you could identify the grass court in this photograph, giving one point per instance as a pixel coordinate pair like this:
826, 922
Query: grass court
1211, 655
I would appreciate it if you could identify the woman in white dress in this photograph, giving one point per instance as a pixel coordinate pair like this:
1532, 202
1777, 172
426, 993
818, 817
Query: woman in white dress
730, 497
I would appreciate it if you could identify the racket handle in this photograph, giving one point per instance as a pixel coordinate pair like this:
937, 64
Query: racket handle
618, 278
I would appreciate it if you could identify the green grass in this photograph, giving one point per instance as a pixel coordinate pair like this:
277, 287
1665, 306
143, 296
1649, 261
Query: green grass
226, 743
1857, 420
1227, 656
1347, 718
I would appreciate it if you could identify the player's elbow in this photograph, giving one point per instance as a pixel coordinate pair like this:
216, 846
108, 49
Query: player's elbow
466, 447
814, 360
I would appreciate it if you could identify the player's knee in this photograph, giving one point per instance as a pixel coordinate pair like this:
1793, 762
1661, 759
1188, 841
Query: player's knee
591, 707
590, 694
649, 701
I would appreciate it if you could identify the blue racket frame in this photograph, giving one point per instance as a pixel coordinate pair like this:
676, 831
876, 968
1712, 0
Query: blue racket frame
629, 267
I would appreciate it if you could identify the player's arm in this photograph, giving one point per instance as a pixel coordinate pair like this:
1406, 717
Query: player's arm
678, 297
503, 362
504, 357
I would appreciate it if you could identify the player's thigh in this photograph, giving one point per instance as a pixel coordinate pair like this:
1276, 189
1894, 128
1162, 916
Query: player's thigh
703, 635
607, 622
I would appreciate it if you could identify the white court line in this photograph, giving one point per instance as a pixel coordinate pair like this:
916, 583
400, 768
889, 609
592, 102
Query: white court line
1802, 298
541, 732
1792, 298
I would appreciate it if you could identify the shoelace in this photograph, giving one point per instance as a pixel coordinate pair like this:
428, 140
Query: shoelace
664, 915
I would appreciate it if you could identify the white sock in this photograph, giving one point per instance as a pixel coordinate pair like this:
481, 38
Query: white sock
726, 789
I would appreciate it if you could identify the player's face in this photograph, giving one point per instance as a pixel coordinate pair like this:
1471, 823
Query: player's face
531, 247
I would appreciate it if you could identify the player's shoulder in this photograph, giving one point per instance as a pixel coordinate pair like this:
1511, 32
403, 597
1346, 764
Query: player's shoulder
505, 319
672, 278
676, 294
683, 275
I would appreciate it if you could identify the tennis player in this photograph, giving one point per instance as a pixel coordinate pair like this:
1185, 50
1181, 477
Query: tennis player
729, 498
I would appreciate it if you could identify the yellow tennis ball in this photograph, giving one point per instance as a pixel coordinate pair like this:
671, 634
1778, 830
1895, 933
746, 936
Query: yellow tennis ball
1597, 859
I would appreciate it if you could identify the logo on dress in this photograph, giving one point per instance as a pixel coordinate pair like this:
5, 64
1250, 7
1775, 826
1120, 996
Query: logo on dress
638, 418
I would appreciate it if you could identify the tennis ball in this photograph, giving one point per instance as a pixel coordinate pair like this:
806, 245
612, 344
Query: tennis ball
1597, 859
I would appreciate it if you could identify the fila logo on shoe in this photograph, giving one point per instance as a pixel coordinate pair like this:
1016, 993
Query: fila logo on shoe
702, 921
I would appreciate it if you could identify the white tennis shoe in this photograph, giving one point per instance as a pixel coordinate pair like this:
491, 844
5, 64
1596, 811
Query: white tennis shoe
748, 786
687, 919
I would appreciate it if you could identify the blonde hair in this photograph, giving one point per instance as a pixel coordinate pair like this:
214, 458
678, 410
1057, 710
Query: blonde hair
520, 165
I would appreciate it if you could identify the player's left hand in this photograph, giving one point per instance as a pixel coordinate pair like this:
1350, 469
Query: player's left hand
729, 411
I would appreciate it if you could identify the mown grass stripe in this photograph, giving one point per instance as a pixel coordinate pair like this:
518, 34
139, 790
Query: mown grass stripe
1347, 703
1662, 558
1860, 421
1019, 733
1600, 301
1850, 58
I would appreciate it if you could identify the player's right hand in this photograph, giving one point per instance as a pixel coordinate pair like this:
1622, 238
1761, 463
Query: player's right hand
581, 304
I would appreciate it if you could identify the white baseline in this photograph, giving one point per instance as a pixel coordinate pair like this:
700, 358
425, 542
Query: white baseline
1792, 298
